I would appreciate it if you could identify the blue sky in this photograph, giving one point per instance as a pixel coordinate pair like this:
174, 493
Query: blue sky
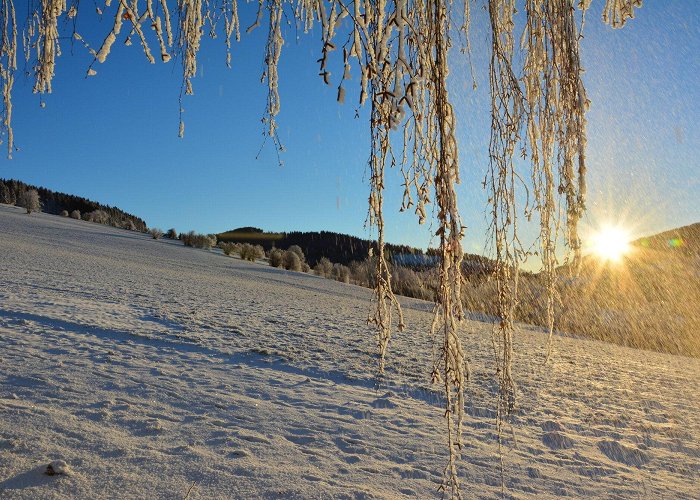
113, 137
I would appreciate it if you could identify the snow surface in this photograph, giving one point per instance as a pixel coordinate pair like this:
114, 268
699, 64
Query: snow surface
153, 369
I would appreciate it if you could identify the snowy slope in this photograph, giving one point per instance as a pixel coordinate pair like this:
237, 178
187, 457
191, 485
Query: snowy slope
149, 368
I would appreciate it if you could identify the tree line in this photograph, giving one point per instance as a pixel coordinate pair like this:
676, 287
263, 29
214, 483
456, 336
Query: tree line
54, 202
336, 247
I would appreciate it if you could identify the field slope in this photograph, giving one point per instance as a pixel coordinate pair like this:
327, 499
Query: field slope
150, 369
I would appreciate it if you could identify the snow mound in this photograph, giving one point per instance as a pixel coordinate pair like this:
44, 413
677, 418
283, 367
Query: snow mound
58, 468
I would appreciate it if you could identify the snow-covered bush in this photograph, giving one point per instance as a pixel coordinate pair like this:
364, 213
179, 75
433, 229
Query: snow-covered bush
324, 267
97, 216
292, 261
251, 252
276, 257
192, 239
155, 233
75, 214
297, 250
171, 233
408, 283
364, 273
64, 213
230, 248
341, 273
29, 200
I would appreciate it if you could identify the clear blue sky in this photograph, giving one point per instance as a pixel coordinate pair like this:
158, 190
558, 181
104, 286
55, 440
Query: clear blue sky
113, 137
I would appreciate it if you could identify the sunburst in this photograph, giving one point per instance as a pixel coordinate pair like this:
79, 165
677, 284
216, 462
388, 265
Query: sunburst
610, 243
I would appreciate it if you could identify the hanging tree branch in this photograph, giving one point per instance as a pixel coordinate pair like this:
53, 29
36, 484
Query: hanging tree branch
8, 65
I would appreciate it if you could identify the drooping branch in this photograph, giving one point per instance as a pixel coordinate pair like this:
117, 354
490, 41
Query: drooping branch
507, 115
8, 65
46, 45
383, 295
617, 12
273, 51
555, 126
381, 77
448, 312
191, 29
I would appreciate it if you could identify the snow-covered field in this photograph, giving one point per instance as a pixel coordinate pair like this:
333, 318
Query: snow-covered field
155, 370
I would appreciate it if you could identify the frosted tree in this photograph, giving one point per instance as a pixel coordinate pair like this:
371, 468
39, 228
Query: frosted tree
400, 51
29, 200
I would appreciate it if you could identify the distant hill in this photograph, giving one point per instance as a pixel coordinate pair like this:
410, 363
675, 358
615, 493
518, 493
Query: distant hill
344, 249
683, 240
337, 247
54, 202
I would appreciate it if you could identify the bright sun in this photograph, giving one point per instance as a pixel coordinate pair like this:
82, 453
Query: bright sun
610, 243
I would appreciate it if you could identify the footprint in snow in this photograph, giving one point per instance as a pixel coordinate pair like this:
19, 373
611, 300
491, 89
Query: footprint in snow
311, 478
551, 425
239, 453
9, 444
148, 427
384, 402
534, 473
252, 437
300, 439
350, 446
623, 454
351, 459
557, 441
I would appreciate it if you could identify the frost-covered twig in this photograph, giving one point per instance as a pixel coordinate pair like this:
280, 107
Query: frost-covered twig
8, 65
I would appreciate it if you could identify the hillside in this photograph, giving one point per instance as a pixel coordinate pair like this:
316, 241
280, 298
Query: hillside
152, 369
683, 240
54, 202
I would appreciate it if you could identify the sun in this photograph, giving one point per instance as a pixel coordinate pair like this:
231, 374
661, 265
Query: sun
610, 243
